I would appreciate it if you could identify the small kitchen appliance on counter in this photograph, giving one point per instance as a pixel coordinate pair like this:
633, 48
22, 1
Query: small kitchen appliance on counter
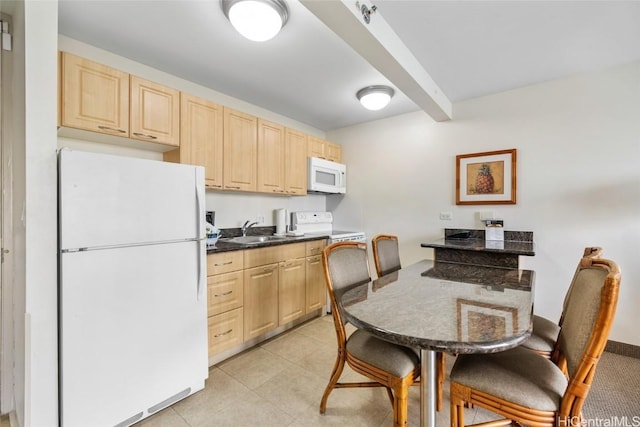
281, 222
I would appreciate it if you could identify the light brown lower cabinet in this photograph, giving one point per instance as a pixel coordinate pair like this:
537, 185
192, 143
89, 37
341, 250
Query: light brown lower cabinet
291, 291
316, 290
225, 300
261, 299
251, 292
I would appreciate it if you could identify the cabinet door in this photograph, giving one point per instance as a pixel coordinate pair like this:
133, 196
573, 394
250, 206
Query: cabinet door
333, 152
94, 97
271, 152
224, 292
315, 284
295, 162
201, 137
155, 112
291, 293
240, 150
260, 300
315, 147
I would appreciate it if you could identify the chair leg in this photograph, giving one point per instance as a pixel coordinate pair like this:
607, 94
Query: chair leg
335, 376
400, 403
390, 394
457, 411
440, 370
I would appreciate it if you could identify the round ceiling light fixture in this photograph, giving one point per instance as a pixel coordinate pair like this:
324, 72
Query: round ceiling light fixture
257, 20
375, 97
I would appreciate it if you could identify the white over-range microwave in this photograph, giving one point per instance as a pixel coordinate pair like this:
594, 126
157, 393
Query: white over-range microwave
326, 176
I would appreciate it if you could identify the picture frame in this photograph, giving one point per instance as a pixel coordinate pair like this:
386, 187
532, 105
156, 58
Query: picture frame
487, 178
482, 322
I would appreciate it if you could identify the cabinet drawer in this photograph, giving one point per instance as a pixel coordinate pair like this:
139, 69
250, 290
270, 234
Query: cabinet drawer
262, 256
315, 247
225, 331
224, 292
225, 262
292, 251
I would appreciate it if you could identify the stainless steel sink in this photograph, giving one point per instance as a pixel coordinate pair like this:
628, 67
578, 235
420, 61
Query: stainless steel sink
253, 240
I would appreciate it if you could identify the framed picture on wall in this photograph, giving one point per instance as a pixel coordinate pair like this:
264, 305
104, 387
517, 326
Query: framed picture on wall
487, 178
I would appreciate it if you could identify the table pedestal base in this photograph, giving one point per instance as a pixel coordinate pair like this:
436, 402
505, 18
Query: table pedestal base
428, 378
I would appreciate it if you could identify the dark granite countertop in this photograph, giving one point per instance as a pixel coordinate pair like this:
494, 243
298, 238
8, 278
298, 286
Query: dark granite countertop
506, 246
223, 245
453, 308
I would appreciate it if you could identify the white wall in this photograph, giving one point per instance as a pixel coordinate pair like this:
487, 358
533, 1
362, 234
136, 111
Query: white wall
578, 142
233, 209
34, 91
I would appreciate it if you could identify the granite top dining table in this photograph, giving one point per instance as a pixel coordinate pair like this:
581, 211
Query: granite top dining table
448, 307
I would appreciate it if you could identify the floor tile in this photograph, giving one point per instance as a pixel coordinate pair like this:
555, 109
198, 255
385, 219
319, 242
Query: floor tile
281, 383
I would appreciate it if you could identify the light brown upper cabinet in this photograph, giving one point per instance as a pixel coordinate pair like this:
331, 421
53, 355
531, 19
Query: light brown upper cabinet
101, 99
271, 157
282, 159
155, 112
201, 133
324, 149
240, 150
333, 152
295, 162
94, 97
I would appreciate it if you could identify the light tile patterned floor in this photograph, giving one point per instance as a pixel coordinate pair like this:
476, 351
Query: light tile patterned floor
281, 382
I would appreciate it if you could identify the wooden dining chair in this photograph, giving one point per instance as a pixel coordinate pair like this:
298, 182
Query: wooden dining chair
386, 255
388, 365
545, 332
531, 390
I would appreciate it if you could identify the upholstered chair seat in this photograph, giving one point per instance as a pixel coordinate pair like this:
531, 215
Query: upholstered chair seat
518, 375
396, 360
544, 338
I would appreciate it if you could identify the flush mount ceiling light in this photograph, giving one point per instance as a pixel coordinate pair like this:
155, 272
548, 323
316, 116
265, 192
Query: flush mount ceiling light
375, 97
257, 20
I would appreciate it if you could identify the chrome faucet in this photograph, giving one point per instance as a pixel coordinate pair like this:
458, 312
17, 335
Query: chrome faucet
246, 227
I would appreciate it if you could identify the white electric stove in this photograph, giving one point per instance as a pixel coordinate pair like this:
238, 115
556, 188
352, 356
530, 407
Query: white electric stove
321, 223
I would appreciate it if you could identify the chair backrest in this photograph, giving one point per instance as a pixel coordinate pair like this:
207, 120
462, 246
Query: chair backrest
589, 252
386, 255
346, 264
587, 322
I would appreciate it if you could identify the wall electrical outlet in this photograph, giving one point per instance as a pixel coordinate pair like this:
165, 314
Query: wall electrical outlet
260, 219
485, 215
446, 216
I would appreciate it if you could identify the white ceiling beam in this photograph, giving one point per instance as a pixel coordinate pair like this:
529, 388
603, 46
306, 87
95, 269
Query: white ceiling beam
377, 43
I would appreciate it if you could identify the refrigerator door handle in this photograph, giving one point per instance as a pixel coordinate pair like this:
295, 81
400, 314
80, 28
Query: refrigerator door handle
199, 178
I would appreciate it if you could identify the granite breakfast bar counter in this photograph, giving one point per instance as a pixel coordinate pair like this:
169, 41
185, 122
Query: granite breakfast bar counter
465, 246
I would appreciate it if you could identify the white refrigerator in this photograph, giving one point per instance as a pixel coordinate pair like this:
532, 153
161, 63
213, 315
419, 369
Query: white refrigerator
132, 287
